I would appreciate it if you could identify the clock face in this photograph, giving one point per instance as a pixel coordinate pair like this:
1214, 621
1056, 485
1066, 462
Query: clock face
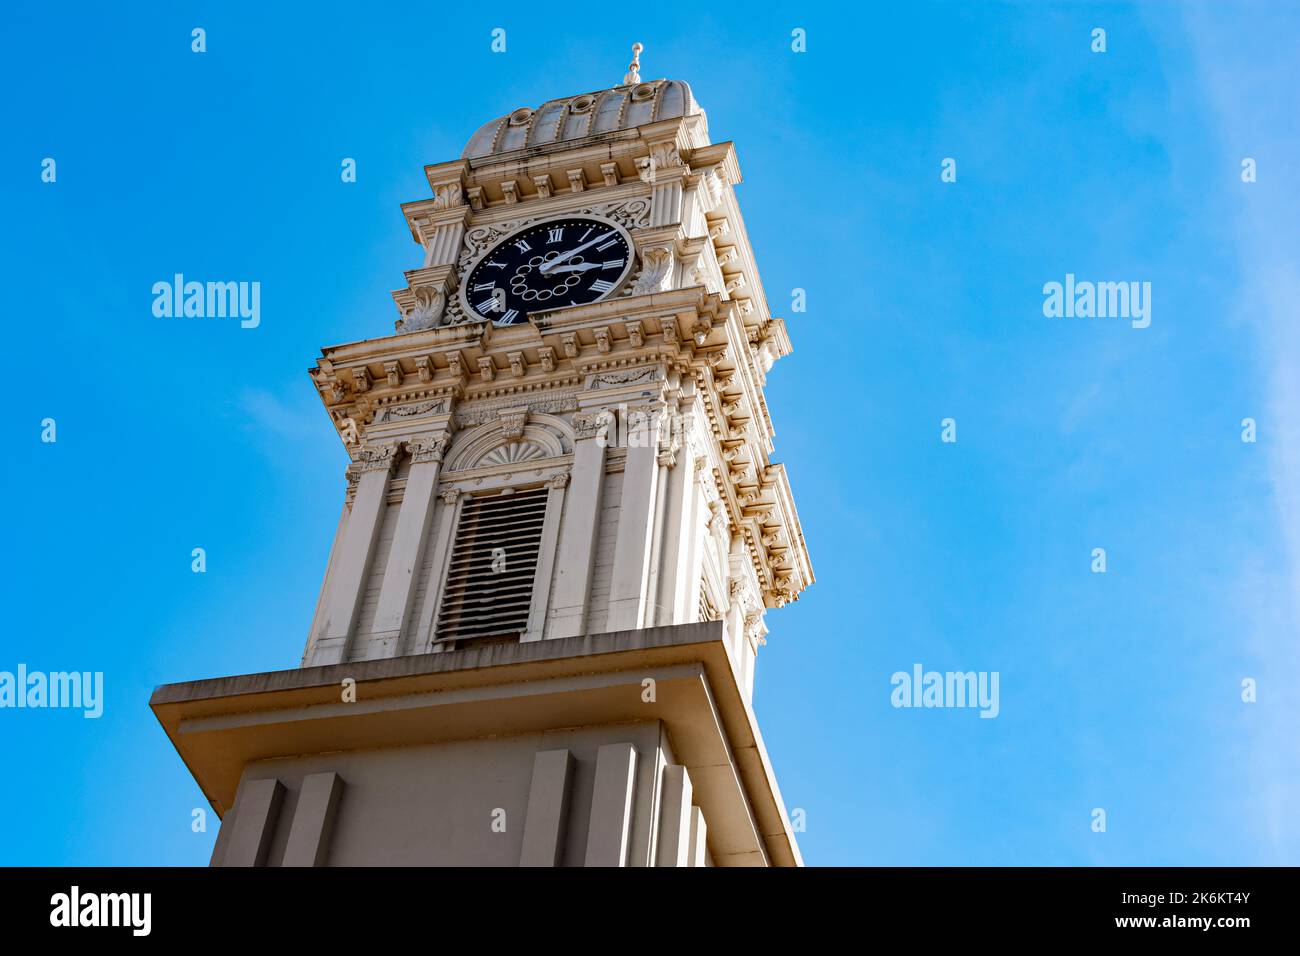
569, 261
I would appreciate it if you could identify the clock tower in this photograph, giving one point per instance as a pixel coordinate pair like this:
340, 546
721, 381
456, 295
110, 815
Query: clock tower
562, 530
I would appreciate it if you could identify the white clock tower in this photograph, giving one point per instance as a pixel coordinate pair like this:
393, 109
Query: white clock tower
562, 530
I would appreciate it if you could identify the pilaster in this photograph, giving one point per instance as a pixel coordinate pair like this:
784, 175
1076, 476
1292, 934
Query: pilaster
546, 557
372, 468
629, 582
407, 551
581, 520
423, 640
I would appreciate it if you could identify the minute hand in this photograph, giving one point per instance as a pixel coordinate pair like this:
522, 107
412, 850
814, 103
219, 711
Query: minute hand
546, 267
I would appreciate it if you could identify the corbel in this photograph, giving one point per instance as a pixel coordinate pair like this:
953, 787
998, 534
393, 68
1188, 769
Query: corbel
487, 370
543, 184
735, 410
577, 181
394, 372
361, 376
456, 365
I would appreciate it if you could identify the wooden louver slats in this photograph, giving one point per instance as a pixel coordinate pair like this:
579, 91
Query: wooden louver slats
489, 586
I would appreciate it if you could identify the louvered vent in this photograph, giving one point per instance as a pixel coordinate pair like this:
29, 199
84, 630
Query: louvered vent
490, 578
707, 611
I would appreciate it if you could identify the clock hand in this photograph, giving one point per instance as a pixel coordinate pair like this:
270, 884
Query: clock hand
579, 267
546, 267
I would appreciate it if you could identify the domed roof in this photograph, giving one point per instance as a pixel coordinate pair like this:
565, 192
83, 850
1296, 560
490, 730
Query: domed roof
566, 121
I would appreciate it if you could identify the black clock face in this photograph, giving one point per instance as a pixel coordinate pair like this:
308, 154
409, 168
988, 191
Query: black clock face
569, 261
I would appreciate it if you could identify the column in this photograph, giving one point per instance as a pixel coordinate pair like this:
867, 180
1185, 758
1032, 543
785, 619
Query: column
629, 582
655, 611
449, 514
581, 517
407, 551
372, 467
680, 541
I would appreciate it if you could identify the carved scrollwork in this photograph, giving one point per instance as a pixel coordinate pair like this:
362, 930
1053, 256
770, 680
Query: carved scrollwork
513, 421
656, 270
428, 309
447, 195
662, 156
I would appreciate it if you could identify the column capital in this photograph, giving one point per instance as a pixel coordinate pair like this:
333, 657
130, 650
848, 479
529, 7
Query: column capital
375, 456
591, 424
428, 448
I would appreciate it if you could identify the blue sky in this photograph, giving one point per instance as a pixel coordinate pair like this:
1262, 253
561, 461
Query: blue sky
1119, 690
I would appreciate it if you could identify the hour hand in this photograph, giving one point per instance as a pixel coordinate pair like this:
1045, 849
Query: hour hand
578, 267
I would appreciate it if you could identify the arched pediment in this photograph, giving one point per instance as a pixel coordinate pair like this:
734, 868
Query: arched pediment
543, 437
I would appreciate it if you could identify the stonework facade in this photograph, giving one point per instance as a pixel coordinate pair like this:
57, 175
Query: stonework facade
561, 530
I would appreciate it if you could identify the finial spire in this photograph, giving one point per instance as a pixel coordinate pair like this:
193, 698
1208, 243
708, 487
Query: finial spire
634, 69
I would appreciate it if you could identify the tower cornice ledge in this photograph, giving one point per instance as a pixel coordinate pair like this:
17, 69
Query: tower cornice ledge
220, 726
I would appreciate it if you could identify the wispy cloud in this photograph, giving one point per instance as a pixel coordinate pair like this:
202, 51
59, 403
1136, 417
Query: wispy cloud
1254, 115
287, 424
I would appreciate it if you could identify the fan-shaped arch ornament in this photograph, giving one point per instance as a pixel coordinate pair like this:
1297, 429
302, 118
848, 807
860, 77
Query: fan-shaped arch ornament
493, 444
513, 453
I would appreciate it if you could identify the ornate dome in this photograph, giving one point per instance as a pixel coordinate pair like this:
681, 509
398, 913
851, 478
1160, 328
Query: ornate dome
565, 122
